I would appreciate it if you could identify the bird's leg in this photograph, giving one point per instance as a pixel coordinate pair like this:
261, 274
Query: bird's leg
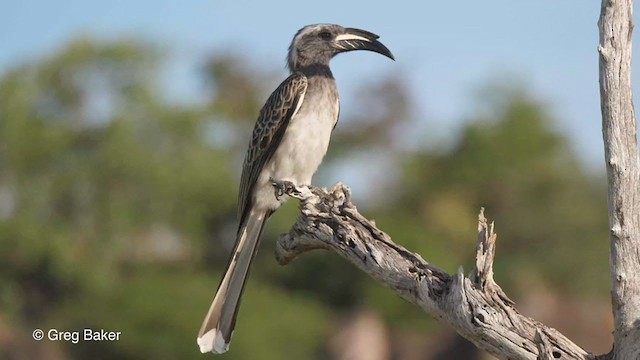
283, 187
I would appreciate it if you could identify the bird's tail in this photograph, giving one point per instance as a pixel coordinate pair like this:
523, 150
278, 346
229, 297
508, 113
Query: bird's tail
217, 328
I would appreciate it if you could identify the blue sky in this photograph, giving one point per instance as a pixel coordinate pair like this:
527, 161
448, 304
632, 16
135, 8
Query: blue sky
447, 50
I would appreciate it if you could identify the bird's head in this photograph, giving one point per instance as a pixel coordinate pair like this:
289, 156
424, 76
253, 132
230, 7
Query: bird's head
317, 44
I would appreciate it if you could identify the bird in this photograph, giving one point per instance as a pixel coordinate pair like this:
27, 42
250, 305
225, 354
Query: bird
288, 143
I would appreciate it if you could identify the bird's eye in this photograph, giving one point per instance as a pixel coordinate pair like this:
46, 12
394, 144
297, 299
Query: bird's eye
325, 35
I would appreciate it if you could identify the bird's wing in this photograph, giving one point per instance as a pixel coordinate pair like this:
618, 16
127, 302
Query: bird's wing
272, 122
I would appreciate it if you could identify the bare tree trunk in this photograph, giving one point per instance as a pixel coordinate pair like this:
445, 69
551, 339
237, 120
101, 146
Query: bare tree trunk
623, 171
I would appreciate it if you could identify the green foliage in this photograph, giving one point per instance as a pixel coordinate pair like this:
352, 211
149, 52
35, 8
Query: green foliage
116, 205
522, 171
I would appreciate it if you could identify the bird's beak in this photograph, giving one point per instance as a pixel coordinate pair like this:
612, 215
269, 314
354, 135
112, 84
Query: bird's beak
356, 39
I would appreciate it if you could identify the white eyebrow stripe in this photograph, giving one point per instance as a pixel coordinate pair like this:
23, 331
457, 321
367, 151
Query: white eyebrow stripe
350, 37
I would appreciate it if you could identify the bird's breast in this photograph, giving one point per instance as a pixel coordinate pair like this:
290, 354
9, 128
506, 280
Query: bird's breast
303, 145
306, 139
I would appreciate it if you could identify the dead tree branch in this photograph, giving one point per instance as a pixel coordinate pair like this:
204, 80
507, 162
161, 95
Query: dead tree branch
475, 306
619, 128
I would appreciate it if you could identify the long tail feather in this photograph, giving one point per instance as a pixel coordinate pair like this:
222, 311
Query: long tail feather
217, 328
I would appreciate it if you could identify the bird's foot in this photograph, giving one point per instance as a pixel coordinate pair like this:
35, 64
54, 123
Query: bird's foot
283, 187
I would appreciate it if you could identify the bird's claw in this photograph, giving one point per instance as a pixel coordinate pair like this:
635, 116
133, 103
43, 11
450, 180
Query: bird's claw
282, 187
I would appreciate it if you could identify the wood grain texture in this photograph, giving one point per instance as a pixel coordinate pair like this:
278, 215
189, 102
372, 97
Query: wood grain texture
619, 129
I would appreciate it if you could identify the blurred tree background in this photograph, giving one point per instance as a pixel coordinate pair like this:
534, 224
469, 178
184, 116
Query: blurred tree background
117, 212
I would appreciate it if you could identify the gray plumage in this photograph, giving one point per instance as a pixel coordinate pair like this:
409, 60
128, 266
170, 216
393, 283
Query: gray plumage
289, 140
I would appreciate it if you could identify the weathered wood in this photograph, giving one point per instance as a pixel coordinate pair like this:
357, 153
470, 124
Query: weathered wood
475, 306
623, 171
545, 351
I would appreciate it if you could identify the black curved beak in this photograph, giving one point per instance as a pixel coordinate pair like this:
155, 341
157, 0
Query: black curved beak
356, 39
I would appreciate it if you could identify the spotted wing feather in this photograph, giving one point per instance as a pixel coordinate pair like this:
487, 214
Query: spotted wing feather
267, 134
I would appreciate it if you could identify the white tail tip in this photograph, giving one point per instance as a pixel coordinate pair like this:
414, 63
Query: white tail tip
213, 341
